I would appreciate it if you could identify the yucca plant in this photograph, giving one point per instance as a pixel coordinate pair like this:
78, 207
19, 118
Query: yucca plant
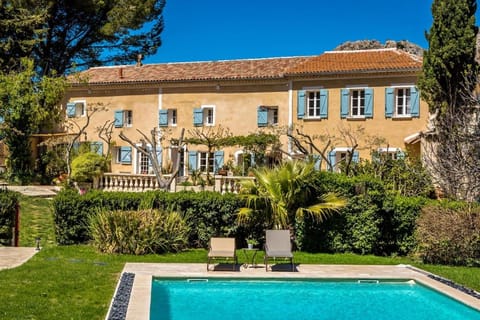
284, 193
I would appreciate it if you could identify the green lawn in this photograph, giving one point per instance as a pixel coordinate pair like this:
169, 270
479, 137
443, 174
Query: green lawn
75, 282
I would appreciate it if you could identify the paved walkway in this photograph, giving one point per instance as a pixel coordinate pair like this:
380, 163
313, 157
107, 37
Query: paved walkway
11, 257
35, 191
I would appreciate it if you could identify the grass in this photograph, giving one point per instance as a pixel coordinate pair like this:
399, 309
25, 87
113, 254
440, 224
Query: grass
76, 282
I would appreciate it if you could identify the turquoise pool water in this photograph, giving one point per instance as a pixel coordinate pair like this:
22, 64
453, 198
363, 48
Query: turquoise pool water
235, 299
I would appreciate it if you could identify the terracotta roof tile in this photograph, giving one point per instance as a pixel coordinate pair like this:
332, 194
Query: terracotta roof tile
213, 70
270, 68
358, 61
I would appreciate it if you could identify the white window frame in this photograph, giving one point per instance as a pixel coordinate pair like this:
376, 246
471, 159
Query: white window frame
83, 111
172, 117
206, 161
128, 118
206, 109
359, 99
405, 101
316, 103
273, 116
391, 152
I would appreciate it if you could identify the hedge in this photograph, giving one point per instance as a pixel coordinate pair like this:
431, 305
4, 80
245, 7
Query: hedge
8, 203
374, 221
207, 213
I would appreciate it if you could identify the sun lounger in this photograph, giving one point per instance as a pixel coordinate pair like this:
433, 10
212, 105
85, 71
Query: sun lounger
278, 246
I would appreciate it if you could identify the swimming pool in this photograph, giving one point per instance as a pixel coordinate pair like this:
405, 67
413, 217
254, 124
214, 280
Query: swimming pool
225, 299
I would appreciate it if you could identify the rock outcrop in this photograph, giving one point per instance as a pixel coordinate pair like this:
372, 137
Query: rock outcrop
404, 45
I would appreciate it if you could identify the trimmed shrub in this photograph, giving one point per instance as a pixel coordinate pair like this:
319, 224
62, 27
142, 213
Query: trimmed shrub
449, 235
8, 203
87, 166
138, 232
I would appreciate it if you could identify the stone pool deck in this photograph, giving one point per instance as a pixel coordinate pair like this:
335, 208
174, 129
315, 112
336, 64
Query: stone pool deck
139, 305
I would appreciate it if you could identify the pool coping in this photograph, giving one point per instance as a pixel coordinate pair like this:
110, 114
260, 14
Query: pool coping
139, 302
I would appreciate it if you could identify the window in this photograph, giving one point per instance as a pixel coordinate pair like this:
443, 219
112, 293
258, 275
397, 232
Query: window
340, 156
167, 117
123, 118
357, 103
208, 114
312, 103
388, 154
128, 114
267, 116
206, 161
402, 105
172, 115
402, 102
204, 115
143, 163
76, 109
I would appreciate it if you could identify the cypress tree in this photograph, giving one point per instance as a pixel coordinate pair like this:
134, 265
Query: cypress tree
449, 66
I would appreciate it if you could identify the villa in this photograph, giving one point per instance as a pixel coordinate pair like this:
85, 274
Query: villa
350, 97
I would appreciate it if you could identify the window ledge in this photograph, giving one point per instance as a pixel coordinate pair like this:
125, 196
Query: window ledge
402, 117
362, 118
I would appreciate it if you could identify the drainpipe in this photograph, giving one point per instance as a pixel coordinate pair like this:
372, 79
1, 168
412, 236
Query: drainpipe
290, 115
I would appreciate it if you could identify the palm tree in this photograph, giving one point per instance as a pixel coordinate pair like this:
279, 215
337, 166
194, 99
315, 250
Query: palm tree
285, 193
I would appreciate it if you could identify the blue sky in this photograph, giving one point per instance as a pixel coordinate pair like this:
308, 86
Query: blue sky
231, 29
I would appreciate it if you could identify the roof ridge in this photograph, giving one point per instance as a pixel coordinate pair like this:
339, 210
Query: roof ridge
205, 61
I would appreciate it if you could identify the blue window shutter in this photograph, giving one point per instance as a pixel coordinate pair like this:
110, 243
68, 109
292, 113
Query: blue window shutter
126, 155
389, 102
317, 160
71, 108
323, 103
162, 118
218, 163
118, 118
369, 103
300, 104
262, 116
192, 160
96, 147
414, 102
252, 159
76, 146
332, 157
198, 117
345, 103
400, 154
355, 157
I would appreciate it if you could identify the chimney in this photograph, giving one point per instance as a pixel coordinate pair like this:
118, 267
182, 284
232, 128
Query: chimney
120, 73
139, 60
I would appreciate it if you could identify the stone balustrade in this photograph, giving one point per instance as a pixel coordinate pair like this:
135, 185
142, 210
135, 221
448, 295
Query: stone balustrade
225, 184
144, 182
126, 182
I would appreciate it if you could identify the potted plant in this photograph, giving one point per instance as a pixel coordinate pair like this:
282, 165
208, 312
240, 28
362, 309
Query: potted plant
251, 242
